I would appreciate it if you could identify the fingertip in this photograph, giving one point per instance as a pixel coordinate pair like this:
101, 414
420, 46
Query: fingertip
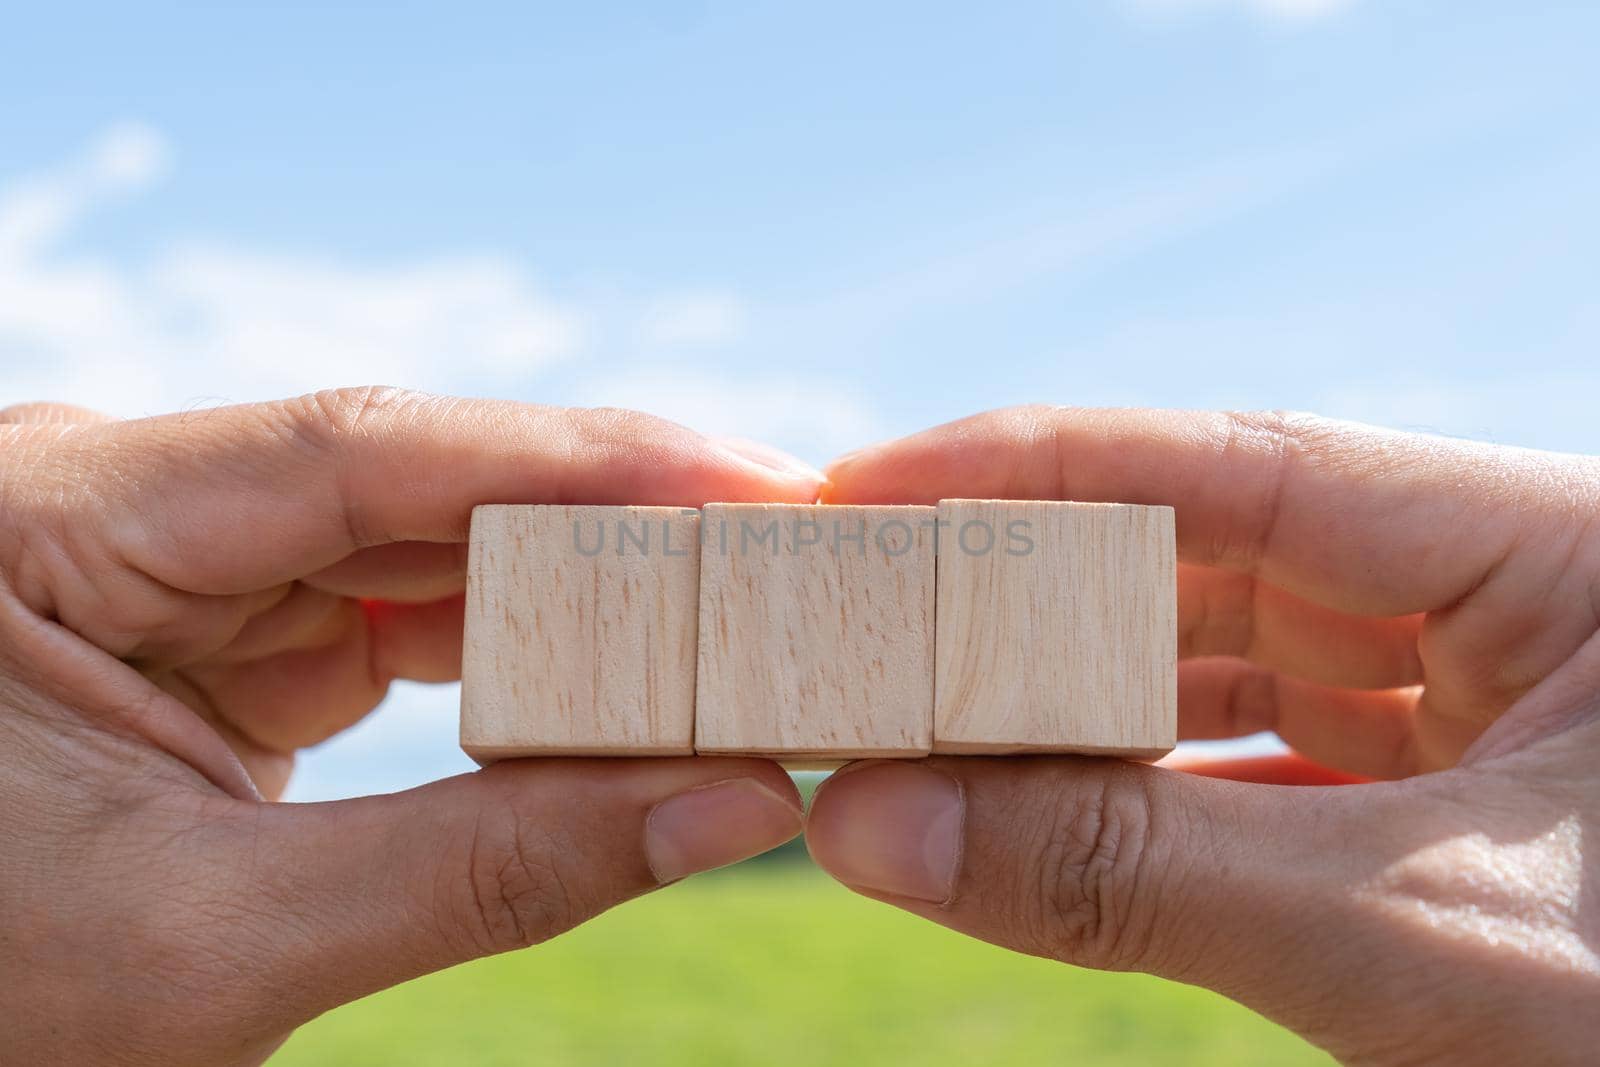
769, 773
890, 827
859, 477
882, 472
769, 457
698, 470
754, 484
717, 824
831, 491
747, 472
921, 468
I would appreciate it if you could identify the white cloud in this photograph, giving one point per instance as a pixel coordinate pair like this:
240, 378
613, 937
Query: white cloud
201, 320
36, 210
130, 154
1285, 9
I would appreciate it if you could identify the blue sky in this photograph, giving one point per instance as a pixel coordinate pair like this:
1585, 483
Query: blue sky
817, 224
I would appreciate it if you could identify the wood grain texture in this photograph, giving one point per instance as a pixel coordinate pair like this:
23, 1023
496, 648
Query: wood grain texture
816, 631
1067, 646
580, 631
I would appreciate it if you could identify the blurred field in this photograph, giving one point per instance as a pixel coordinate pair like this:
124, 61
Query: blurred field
773, 963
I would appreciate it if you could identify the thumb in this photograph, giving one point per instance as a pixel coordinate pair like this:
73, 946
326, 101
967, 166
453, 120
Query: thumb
363, 894
1236, 886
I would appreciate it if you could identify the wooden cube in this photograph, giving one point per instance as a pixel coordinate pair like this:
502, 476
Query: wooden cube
1057, 629
816, 631
580, 631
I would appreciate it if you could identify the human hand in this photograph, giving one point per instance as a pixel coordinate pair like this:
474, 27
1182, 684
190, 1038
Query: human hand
187, 600
1395, 607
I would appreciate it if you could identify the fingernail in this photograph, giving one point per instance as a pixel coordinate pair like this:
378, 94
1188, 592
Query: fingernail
774, 459
891, 827
715, 825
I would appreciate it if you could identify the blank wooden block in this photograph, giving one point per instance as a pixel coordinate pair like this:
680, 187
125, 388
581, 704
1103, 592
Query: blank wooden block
580, 632
816, 631
1057, 629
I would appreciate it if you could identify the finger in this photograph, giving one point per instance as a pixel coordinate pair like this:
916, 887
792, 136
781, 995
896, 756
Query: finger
1287, 769
1558, 715
768, 456
299, 696
410, 571
417, 642
269, 769
1227, 613
84, 683
47, 414
1365, 732
355, 896
301, 618
1360, 519
256, 495
1245, 889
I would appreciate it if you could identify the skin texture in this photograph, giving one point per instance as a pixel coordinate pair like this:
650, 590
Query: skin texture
1416, 617
187, 600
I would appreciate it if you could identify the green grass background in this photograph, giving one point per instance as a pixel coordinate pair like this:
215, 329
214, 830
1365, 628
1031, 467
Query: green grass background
772, 962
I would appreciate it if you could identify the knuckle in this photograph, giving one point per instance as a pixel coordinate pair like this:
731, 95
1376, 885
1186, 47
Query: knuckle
48, 520
1092, 874
332, 427
1264, 434
1281, 426
1268, 442
1041, 460
334, 415
1026, 418
1041, 425
519, 894
29, 413
47, 413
